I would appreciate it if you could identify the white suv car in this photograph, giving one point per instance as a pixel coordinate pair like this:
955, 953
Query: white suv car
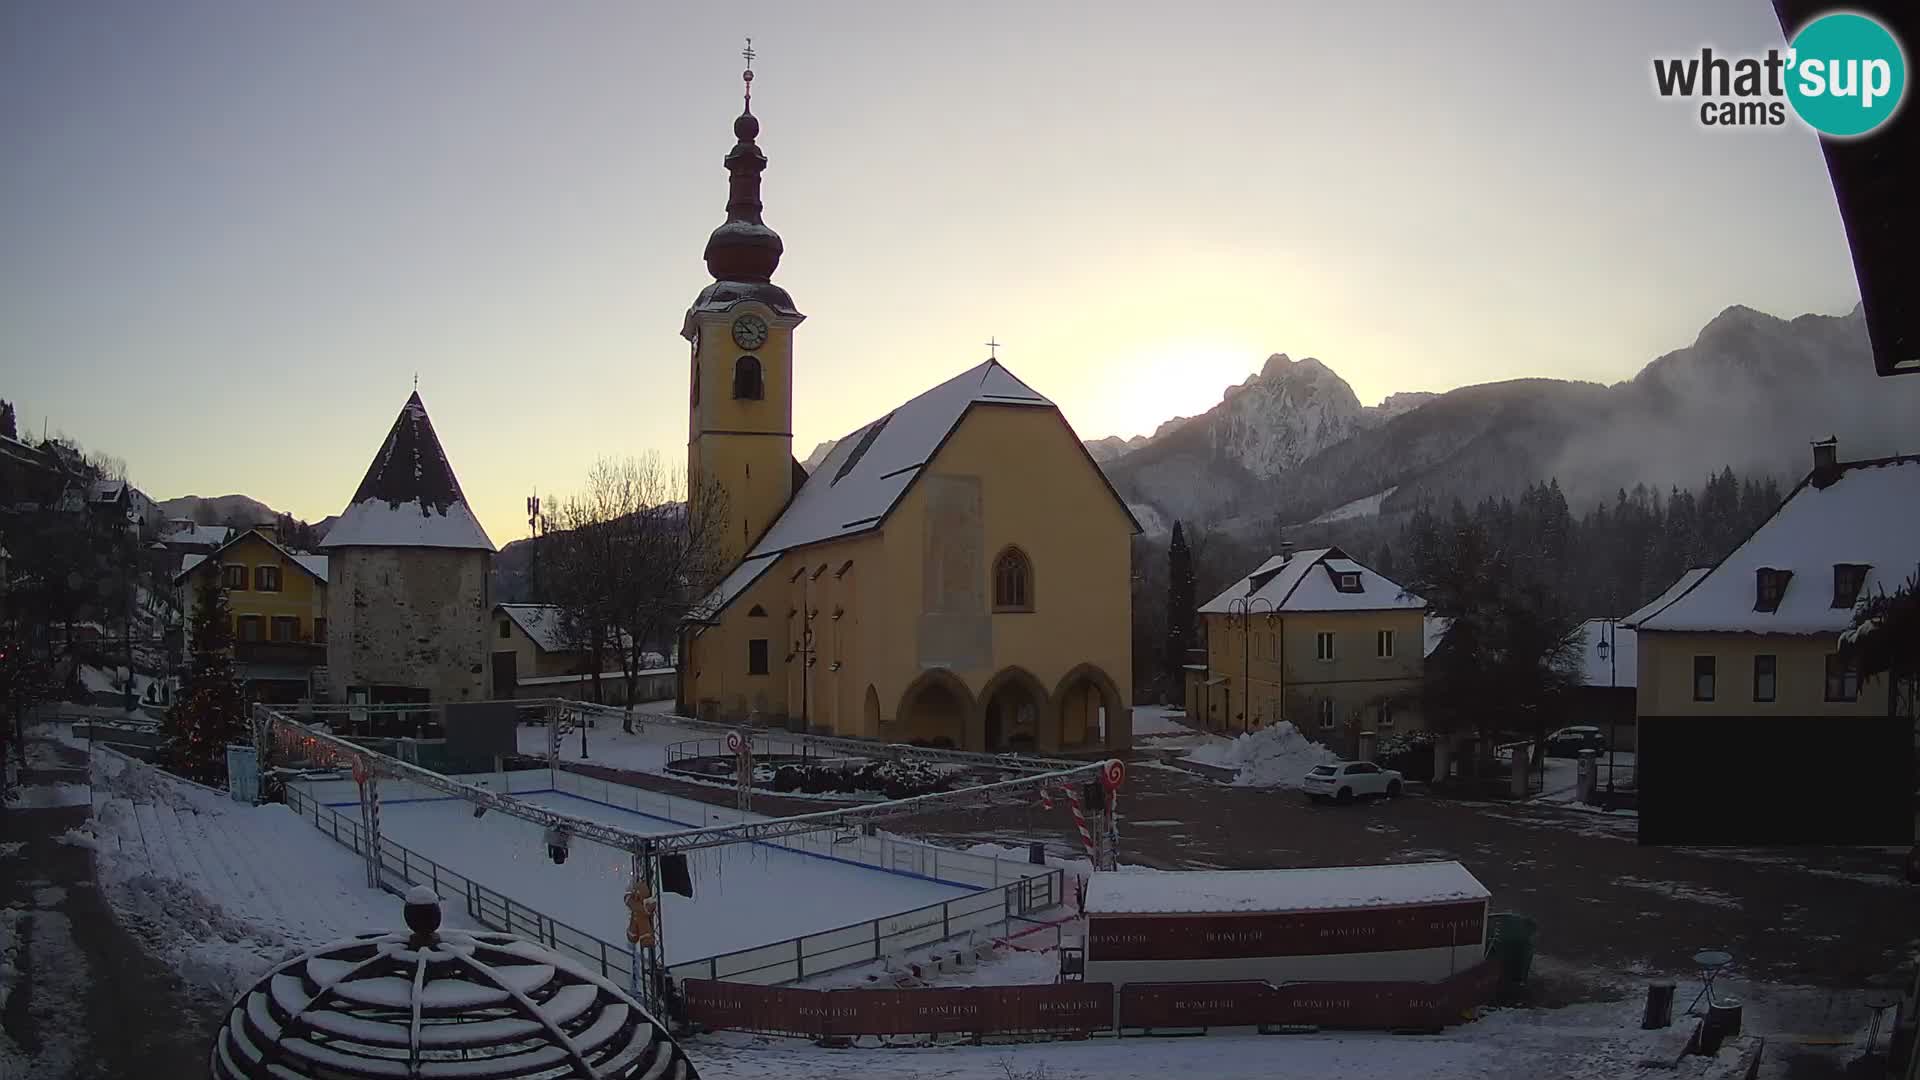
1346, 780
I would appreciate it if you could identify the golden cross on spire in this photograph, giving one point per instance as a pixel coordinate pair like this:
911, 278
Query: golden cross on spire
748, 74
993, 349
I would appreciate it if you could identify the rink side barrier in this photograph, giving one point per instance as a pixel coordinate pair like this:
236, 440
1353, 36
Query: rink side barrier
1006, 889
1082, 1008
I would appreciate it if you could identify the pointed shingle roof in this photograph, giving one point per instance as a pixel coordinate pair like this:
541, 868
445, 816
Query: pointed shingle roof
409, 497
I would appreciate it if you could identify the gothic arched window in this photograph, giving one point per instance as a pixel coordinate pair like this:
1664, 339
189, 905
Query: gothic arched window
746, 379
1012, 581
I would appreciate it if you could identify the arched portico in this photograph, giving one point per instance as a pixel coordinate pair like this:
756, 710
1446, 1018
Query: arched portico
1013, 706
1078, 701
936, 706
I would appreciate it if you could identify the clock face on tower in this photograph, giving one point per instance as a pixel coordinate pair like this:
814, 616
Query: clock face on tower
749, 331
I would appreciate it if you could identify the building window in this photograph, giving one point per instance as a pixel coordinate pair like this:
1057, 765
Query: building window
758, 612
1703, 678
1326, 714
284, 628
747, 384
1766, 677
234, 577
1323, 645
320, 631
266, 578
1843, 678
1848, 578
1012, 581
506, 628
1383, 644
1769, 585
247, 628
1385, 719
1348, 583
757, 656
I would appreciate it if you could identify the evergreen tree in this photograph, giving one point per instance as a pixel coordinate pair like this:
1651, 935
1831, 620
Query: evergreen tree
210, 711
1885, 640
1180, 605
9, 425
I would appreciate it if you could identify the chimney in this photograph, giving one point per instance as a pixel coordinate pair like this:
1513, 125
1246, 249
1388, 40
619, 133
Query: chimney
1826, 462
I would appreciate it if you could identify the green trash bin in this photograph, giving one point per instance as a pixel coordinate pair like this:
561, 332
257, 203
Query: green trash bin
1510, 938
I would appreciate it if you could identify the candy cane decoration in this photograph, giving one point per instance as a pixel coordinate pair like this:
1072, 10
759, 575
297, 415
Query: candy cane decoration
1080, 820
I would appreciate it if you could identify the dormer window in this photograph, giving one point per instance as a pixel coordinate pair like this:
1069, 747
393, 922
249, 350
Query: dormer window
1769, 586
1347, 582
1848, 578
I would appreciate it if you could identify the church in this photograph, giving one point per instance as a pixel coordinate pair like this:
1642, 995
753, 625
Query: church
955, 573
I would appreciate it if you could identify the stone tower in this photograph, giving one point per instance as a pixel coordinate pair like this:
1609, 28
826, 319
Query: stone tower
408, 594
740, 425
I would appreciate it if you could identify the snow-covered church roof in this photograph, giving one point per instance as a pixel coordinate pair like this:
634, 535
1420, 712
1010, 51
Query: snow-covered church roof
409, 497
1868, 515
865, 475
1288, 583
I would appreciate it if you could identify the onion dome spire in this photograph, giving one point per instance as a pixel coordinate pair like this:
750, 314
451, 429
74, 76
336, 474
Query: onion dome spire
743, 248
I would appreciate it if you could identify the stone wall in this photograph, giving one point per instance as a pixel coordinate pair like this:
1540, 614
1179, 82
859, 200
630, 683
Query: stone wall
409, 617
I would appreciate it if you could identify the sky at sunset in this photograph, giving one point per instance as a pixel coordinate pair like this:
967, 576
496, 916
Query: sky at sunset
235, 232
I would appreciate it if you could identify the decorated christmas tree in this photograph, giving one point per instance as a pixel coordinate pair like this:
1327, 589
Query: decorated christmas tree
210, 712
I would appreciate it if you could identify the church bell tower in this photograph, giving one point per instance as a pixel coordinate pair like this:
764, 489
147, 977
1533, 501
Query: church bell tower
740, 419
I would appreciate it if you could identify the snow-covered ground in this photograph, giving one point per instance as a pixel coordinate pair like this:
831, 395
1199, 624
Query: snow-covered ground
1369, 506
642, 751
744, 894
1154, 720
1276, 756
1582, 1042
222, 890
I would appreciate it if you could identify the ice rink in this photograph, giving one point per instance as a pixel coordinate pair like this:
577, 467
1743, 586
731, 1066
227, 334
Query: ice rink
743, 894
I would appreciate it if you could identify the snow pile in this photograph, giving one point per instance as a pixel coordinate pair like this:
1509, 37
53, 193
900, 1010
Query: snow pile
1151, 720
1276, 756
220, 889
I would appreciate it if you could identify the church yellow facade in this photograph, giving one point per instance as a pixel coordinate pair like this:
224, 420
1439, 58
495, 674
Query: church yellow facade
955, 573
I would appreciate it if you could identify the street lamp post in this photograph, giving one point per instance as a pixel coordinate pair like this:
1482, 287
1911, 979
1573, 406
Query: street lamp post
1242, 608
1611, 655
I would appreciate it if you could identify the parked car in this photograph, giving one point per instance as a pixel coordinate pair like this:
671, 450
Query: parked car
1569, 741
1346, 781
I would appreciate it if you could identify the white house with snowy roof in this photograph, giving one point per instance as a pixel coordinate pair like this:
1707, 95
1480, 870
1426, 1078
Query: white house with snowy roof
1747, 653
408, 564
1315, 638
956, 572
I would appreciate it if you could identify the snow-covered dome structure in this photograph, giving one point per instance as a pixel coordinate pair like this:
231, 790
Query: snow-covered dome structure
440, 1004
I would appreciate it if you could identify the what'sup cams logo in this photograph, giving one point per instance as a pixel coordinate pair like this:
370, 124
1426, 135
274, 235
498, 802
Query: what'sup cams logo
1843, 75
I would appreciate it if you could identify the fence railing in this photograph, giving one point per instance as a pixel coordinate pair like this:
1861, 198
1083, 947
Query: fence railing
1005, 890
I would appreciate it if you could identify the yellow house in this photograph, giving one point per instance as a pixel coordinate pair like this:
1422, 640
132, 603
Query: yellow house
1317, 639
279, 604
1740, 666
956, 572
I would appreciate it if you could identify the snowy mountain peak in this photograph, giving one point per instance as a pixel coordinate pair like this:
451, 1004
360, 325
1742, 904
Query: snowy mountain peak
1292, 410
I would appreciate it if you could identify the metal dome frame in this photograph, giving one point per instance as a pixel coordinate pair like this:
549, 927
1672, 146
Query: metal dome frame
426, 1004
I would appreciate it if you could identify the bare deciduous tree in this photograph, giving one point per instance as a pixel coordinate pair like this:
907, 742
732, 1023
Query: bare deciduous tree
629, 563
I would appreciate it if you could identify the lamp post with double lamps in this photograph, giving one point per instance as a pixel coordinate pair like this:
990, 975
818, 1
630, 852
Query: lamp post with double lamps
1610, 653
1242, 609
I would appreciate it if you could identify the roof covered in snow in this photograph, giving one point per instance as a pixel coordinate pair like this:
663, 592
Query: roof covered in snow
865, 475
210, 535
312, 564
546, 624
1869, 515
1192, 892
1686, 582
1619, 666
1305, 581
409, 497
1435, 631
